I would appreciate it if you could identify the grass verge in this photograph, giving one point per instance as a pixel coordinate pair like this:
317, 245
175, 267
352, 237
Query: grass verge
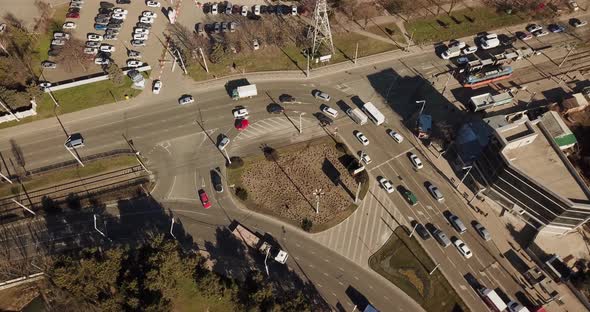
461, 23
65, 175
404, 263
79, 98
234, 176
289, 57
191, 299
44, 40
389, 30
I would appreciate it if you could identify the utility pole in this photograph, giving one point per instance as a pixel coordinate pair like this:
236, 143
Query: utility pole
567, 55
74, 155
307, 72
464, 176
5, 178
52, 97
318, 193
96, 228
137, 153
25, 208
436, 267
414, 229
358, 191
205, 61
181, 61
9, 111
356, 52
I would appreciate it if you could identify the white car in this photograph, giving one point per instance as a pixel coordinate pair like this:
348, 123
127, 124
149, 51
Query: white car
157, 86
362, 138
469, 50
255, 44
140, 36
223, 143
330, 111
69, 25
457, 43
387, 185
147, 20
240, 113
101, 61
58, 42
186, 99
74, 4
436, 193
293, 10
214, 9
134, 63
489, 41
257, 9
138, 43
118, 16
153, 4
534, 27
142, 31
244, 10
120, 11
107, 48
365, 157
396, 136
149, 14
61, 35
94, 37
321, 95
91, 51
463, 249
416, 161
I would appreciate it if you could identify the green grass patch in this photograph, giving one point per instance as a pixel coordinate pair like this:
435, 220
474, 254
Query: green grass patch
44, 40
191, 299
404, 263
289, 57
79, 98
429, 29
389, 30
60, 176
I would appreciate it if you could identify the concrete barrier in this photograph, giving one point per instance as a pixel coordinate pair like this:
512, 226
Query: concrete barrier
89, 79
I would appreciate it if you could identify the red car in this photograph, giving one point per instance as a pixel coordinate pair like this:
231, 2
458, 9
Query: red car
73, 15
204, 199
242, 124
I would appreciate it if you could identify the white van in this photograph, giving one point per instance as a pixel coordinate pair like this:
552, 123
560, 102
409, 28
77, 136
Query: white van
489, 41
330, 111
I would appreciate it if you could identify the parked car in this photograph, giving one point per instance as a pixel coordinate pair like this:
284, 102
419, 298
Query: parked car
409, 197
204, 199
228, 9
186, 99
114, 26
48, 65
101, 61
463, 248
134, 63
100, 27
321, 95
152, 4
101, 20
119, 16
573, 5
469, 50
111, 37
540, 33
120, 11
489, 41
76, 5
94, 37
256, 10
455, 222
556, 28
577, 22
287, 99
141, 31
441, 238
93, 44
293, 10
133, 53
224, 27
138, 43
457, 44
73, 15
143, 25
214, 8
241, 124
436, 193
217, 27
386, 185
534, 27
244, 11
275, 108
91, 51
112, 31
482, 231
157, 86
147, 20
223, 143
58, 42
149, 14
524, 35
123, 1
240, 113
364, 157
69, 25
107, 48
416, 161
421, 230
361, 137
395, 136
140, 37
61, 35
233, 26
107, 5
330, 111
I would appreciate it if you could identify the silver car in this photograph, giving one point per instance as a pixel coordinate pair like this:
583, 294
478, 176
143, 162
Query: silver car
436, 193
321, 95
223, 143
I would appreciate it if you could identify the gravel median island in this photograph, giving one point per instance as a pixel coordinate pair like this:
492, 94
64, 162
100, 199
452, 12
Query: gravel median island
286, 187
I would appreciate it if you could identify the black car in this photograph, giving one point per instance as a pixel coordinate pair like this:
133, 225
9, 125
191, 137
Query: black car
105, 11
53, 52
74, 10
286, 98
123, 1
323, 119
116, 21
101, 21
224, 27
107, 5
216, 180
275, 108
114, 26
421, 230
132, 53
143, 25
217, 27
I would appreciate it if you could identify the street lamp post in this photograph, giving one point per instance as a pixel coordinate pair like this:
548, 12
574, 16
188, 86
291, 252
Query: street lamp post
358, 191
172, 227
318, 193
24, 207
74, 155
5, 178
300, 123
465, 175
266, 258
421, 108
414, 229
96, 228
436, 267
227, 156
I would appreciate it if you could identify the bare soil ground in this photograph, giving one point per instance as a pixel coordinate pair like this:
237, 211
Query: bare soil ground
285, 188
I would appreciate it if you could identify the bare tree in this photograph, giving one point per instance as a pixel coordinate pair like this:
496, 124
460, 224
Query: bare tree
45, 12
73, 54
115, 74
366, 11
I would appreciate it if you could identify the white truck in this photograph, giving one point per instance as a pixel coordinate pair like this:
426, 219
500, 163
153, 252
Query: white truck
256, 242
357, 115
450, 53
492, 299
241, 92
373, 113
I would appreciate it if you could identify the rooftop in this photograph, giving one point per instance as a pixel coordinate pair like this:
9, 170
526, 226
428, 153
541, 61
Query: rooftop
530, 151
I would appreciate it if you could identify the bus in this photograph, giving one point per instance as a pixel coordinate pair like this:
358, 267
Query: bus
486, 75
373, 113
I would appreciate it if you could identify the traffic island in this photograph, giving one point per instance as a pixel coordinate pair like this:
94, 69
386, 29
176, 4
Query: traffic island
404, 262
288, 182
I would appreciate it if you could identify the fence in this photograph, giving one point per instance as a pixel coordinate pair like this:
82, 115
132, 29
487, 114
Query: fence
75, 82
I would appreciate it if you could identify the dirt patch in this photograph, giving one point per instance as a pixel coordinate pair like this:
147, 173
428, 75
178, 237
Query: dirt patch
285, 187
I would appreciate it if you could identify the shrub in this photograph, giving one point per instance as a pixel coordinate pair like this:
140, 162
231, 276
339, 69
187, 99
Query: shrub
362, 177
49, 205
73, 201
341, 147
242, 193
270, 153
236, 162
306, 224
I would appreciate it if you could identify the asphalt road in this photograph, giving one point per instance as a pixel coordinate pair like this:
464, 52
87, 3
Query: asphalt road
178, 144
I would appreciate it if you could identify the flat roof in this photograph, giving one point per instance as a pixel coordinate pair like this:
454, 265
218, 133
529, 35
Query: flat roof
541, 162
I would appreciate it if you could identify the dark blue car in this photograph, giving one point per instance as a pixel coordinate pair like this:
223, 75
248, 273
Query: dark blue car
100, 27
555, 28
